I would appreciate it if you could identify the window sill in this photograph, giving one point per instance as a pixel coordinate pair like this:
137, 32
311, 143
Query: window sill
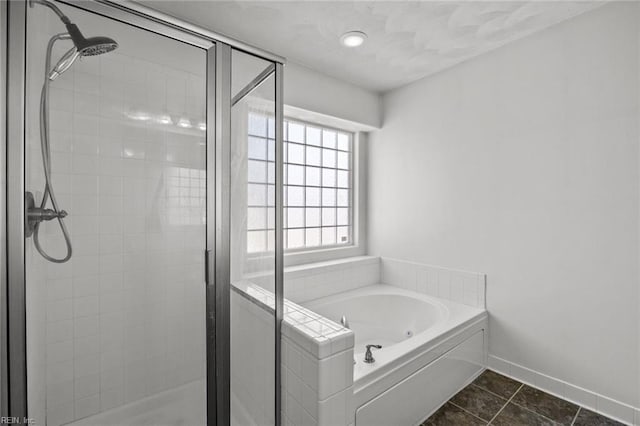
297, 271
322, 255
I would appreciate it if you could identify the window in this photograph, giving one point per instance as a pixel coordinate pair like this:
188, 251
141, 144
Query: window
317, 185
186, 196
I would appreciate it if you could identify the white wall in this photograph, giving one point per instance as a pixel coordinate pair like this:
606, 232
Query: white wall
523, 163
312, 91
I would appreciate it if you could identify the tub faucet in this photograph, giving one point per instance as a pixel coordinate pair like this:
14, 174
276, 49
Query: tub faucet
368, 356
344, 321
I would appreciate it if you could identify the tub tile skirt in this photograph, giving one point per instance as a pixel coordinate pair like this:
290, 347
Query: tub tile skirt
494, 399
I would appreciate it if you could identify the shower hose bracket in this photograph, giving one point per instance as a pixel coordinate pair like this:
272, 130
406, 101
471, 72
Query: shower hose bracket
34, 215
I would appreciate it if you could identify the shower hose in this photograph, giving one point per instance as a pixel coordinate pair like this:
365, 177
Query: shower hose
49, 193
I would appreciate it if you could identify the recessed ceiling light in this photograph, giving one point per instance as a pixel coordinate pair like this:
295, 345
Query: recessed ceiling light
353, 38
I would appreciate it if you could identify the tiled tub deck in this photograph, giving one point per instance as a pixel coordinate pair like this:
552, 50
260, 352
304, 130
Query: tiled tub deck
494, 399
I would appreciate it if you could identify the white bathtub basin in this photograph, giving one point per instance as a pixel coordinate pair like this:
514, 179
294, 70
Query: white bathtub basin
381, 318
404, 322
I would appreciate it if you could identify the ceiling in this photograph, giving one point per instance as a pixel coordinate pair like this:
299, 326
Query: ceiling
407, 40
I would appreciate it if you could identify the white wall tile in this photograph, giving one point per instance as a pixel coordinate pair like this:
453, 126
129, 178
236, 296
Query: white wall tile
86, 386
85, 326
308, 282
86, 345
59, 310
59, 352
60, 393
60, 414
111, 398
317, 389
59, 331
85, 407
60, 372
333, 411
85, 306
86, 365
85, 265
458, 286
59, 289
444, 284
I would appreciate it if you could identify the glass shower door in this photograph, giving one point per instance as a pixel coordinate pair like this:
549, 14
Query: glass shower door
116, 334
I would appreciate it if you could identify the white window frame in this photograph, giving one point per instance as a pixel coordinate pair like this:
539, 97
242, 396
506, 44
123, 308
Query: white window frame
358, 194
357, 247
352, 162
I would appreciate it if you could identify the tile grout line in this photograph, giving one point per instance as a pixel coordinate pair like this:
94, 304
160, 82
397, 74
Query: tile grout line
468, 412
580, 407
573, 422
535, 412
507, 403
510, 400
493, 393
575, 417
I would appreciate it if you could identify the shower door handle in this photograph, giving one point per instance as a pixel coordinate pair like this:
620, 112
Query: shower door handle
207, 257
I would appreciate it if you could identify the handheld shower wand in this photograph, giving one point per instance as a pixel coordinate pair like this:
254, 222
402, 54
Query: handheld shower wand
64, 63
34, 216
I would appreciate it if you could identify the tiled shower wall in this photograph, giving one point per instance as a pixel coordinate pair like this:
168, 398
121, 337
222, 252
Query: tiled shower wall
124, 319
252, 361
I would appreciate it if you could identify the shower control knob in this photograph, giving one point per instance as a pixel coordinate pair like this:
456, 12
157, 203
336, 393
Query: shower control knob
35, 215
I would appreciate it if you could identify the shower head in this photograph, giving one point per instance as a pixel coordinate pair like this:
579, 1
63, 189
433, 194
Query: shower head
82, 47
86, 46
91, 46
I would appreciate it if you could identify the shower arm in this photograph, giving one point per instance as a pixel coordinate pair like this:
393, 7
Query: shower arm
53, 7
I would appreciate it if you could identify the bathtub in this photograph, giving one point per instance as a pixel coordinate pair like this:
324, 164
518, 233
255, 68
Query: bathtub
431, 348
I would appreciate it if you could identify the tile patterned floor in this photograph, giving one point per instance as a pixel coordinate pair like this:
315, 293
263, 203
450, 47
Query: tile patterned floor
493, 399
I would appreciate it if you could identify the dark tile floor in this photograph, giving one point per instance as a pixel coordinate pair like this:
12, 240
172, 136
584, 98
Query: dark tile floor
493, 399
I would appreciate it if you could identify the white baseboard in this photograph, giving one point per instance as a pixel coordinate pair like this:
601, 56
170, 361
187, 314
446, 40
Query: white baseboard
617, 410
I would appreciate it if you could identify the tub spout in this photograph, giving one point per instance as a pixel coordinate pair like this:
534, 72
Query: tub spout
368, 356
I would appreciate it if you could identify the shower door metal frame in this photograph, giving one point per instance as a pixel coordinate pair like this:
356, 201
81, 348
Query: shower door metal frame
4, 399
15, 382
13, 16
279, 240
218, 240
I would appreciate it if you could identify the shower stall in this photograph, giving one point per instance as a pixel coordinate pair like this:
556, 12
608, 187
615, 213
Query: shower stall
137, 151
